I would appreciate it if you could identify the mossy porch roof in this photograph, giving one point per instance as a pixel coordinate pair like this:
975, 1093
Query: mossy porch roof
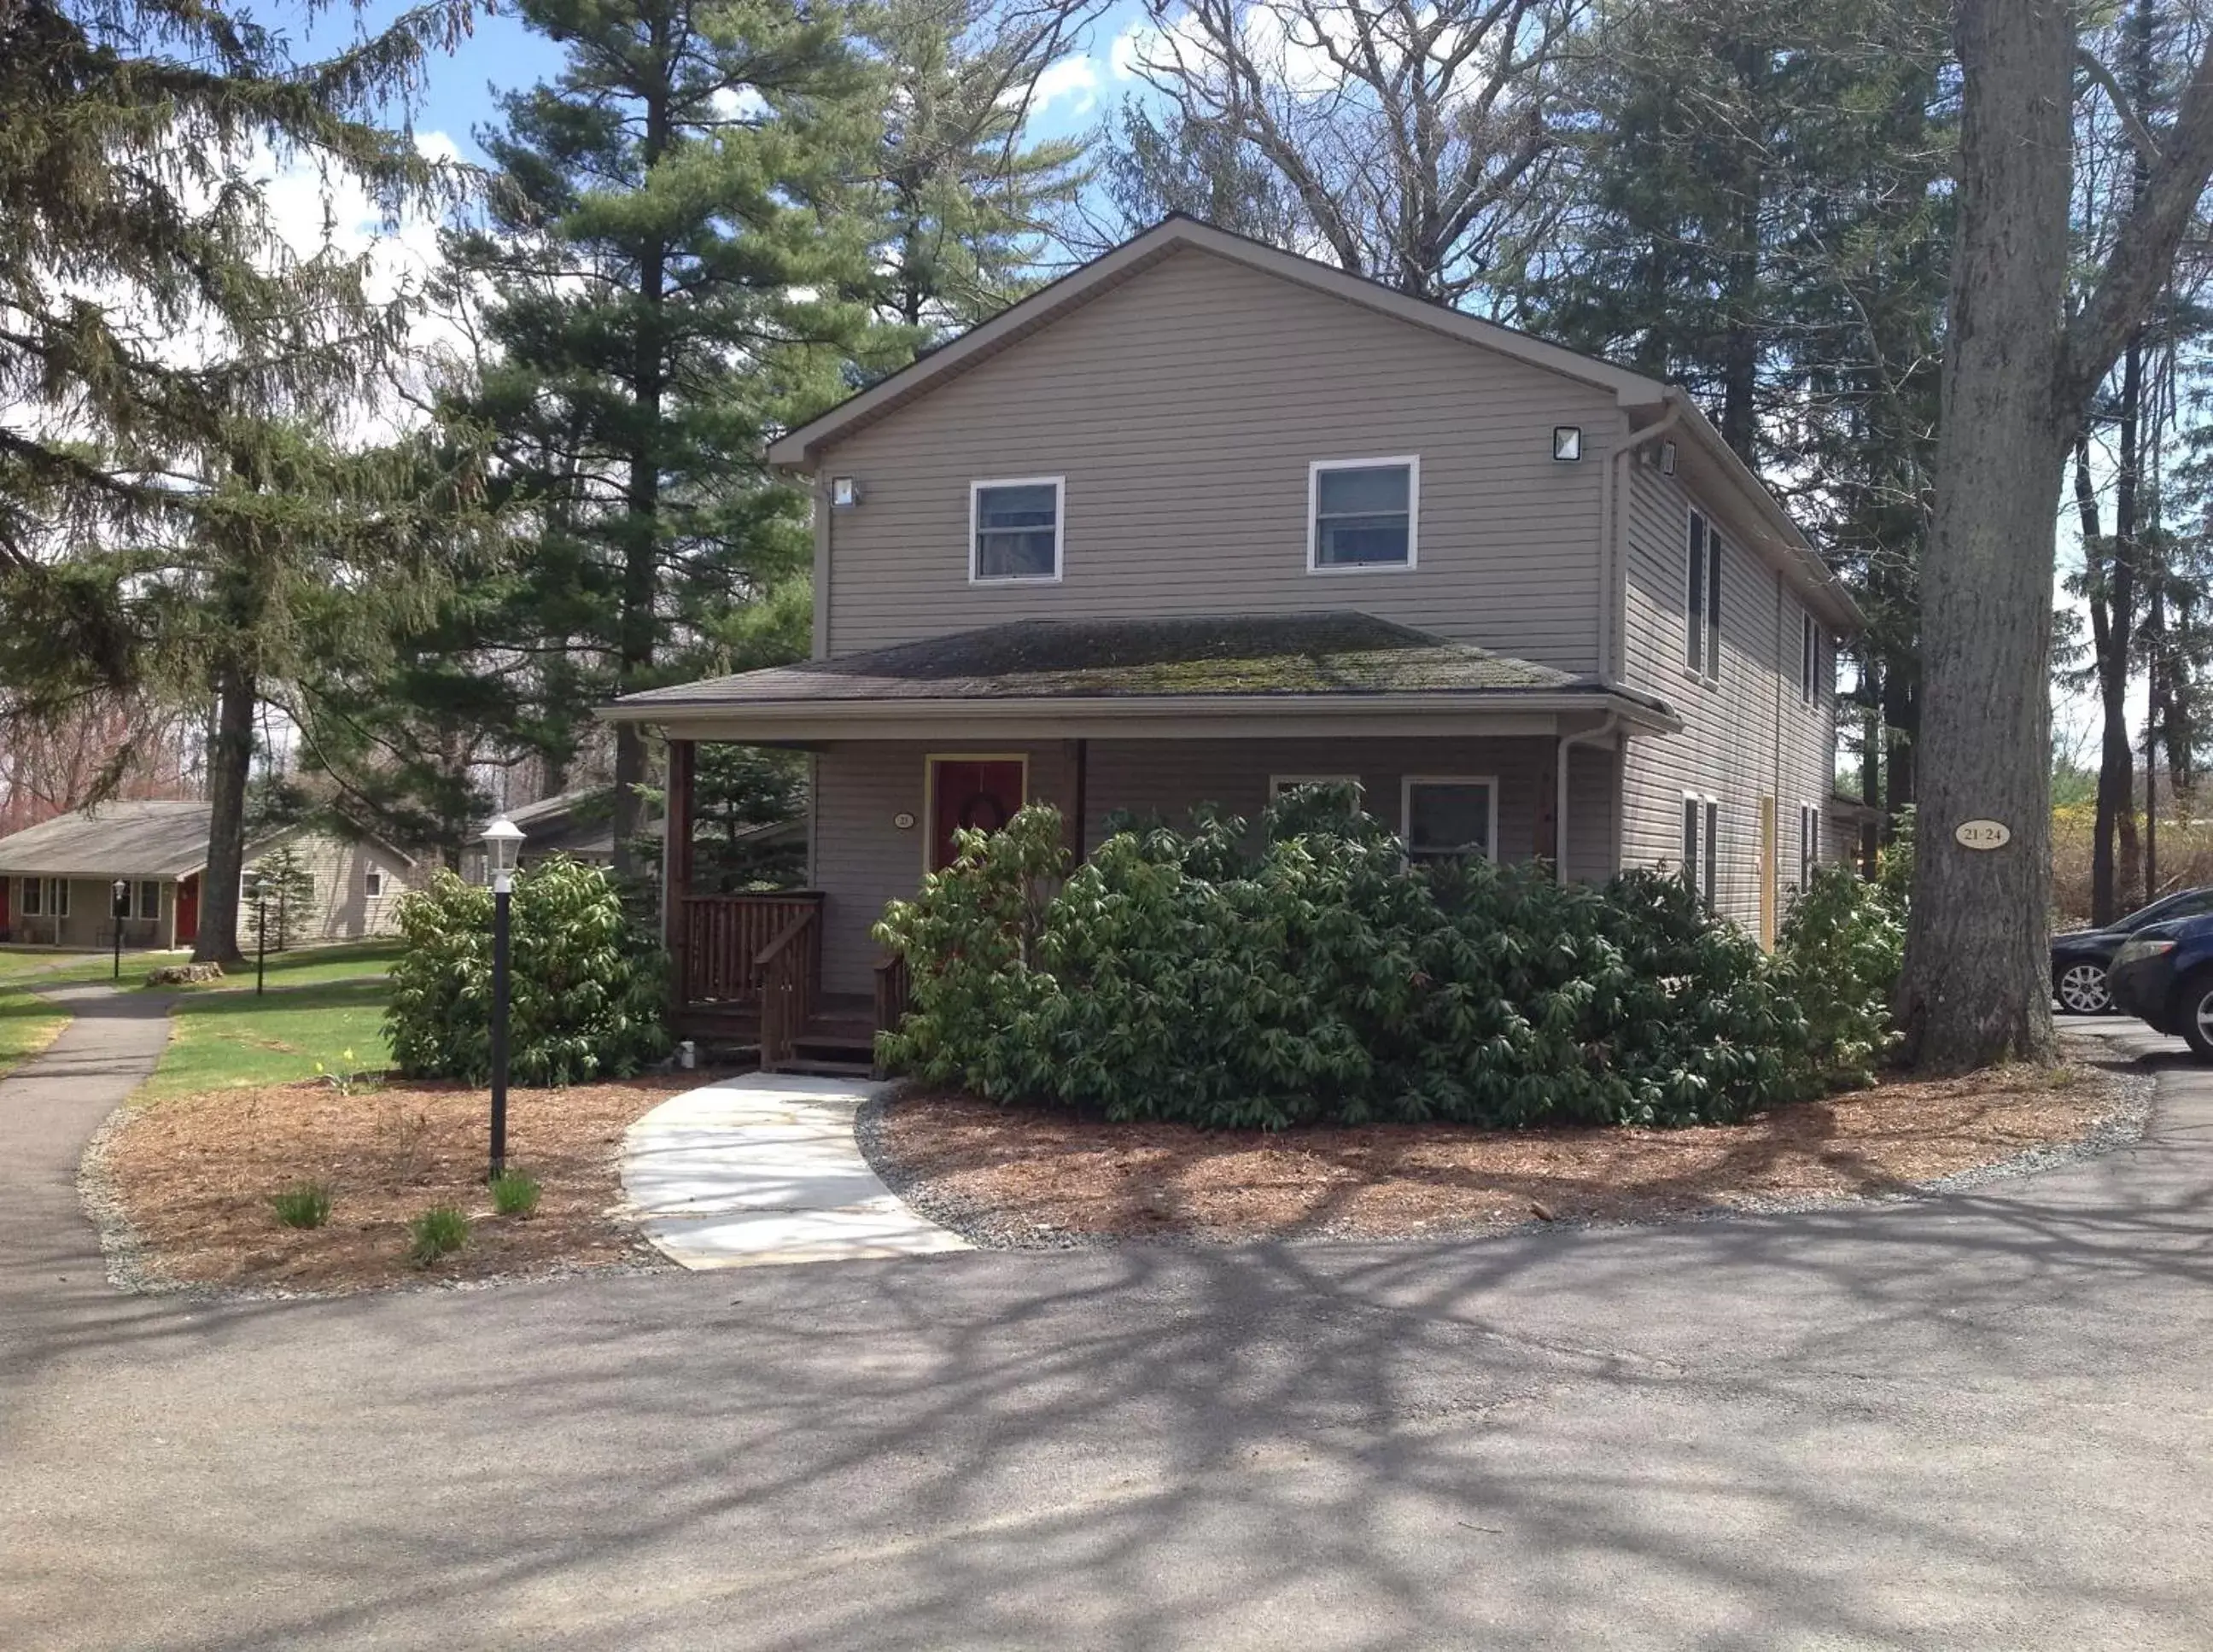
1232, 657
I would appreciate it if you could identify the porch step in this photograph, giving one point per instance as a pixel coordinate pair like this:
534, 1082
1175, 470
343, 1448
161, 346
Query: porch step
821, 1067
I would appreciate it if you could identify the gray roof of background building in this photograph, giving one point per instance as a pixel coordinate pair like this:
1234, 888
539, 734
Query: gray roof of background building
136, 838
1235, 656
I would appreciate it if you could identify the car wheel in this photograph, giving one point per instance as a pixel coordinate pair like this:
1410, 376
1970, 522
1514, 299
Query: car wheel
2194, 1016
2082, 989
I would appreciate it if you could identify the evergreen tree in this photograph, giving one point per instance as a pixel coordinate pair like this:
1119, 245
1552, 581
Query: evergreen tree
673, 273
965, 198
172, 523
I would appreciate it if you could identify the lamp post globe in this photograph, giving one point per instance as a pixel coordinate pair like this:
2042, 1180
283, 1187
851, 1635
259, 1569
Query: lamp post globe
503, 842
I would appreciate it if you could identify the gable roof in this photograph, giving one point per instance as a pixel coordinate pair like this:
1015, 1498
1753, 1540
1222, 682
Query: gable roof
132, 838
1221, 657
136, 838
797, 449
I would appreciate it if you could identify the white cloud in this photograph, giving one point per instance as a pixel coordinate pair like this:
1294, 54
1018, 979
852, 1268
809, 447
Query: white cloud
1075, 77
739, 103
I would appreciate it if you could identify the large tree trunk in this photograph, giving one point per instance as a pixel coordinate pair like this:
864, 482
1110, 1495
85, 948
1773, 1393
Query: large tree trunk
230, 763
1975, 989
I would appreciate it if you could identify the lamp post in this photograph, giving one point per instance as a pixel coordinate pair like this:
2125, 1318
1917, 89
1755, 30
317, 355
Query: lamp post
119, 906
257, 890
503, 842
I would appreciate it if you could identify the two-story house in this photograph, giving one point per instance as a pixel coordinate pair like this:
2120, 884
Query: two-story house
1203, 520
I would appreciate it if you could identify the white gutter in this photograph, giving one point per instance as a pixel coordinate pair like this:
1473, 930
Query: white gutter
1604, 731
1613, 605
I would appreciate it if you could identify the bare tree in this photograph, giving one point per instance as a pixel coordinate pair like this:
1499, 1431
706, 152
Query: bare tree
1418, 140
2019, 374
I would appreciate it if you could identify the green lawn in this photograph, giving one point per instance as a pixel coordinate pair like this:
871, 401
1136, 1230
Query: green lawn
44, 967
346, 960
27, 1024
229, 1039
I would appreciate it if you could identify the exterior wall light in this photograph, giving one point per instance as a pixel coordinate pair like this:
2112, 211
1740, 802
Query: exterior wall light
1667, 459
1567, 443
844, 491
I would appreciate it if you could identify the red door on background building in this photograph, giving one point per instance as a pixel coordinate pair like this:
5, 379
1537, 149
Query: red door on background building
979, 793
188, 910
6, 886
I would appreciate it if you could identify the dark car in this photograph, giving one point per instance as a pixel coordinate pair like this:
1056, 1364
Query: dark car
2163, 975
2080, 957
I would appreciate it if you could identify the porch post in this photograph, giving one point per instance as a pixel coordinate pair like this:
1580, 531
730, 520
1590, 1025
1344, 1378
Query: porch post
1082, 785
676, 860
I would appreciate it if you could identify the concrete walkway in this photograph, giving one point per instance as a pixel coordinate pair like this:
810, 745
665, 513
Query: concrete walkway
762, 1169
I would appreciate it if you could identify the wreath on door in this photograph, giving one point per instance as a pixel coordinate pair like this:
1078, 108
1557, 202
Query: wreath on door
980, 803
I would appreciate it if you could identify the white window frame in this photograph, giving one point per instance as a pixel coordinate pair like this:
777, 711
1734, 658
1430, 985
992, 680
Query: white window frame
1810, 843
1406, 784
372, 883
1413, 465
57, 898
1809, 661
1059, 486
1706, 614
149, 909
1702, 848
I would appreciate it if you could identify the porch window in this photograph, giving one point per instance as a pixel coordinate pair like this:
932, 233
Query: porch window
1702, 600
1449, 818
150, 899
1701, 844
1363, 513
1014, 530
57, 898
34, 898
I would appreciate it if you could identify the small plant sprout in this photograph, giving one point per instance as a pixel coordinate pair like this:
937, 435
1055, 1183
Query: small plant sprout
514, 1194
303, 1204
439, 1231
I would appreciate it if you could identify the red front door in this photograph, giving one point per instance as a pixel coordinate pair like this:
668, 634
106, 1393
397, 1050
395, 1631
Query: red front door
981, 794
188, 910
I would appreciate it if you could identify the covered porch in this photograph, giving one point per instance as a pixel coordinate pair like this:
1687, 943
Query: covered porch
1461, 751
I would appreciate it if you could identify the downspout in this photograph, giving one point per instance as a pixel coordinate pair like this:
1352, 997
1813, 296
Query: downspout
1568, 742
1613, 594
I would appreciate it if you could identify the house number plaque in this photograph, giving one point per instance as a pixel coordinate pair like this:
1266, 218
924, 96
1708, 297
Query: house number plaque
1981, 834
903, 820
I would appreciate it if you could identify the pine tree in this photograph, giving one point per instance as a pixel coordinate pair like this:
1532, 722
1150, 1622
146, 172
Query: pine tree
673, 275
172, 523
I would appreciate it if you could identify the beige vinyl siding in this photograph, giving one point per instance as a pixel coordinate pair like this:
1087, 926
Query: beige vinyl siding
862, 859
343, 908
1183, 408
1743, 738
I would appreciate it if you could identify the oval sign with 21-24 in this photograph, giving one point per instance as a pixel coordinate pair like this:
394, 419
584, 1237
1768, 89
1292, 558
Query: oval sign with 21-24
1983, 834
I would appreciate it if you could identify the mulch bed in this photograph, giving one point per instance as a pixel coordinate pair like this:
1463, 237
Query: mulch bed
1025, 1176
192, 1177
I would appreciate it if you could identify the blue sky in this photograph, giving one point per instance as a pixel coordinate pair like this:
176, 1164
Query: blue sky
502, 55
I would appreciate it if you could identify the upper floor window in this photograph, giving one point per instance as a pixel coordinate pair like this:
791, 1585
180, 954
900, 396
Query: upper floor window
373, 882
1363, 513
1810, 660
1702, 600
1013, 530
1810, 843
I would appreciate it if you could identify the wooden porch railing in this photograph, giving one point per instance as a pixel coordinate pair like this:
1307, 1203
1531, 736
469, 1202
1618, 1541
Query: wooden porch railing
894, 983
790, 968
720, 940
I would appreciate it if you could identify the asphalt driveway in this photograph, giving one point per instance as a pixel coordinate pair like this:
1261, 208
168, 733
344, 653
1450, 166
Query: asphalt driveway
1976, 1421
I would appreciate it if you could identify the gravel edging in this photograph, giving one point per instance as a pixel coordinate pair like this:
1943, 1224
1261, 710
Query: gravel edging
132, 1269
983, 1227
